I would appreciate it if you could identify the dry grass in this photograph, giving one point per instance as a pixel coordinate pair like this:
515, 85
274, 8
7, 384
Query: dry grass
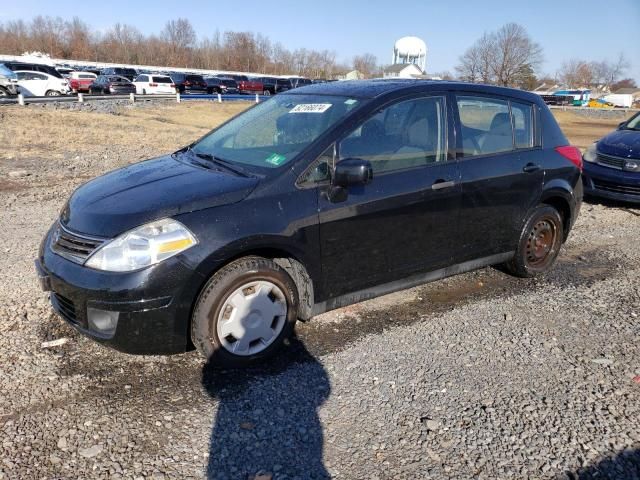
583, 131
35, 133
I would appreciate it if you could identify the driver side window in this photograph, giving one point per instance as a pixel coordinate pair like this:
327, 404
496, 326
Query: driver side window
407, 134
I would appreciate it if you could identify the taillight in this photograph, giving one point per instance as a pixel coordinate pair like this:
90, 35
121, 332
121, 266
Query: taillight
173, 85
572, 154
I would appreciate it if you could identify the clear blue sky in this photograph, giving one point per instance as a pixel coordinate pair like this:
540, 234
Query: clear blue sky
588, 29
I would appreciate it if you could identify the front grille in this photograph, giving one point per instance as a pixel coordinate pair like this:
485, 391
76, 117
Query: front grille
611, 161
73, 246
616, 187
64, 307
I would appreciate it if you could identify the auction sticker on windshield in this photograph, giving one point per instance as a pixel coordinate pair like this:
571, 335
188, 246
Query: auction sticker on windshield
275, 159
310, 108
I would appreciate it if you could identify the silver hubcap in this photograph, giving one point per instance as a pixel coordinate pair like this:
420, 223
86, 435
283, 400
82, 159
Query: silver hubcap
251, 318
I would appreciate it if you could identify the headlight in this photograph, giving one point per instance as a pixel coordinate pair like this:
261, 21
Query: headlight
143, 246
590, 154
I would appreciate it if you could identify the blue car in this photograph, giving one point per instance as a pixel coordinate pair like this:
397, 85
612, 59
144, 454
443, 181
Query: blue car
612, 165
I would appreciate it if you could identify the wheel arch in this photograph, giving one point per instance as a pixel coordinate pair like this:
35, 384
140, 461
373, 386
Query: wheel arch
560, 198
288, 259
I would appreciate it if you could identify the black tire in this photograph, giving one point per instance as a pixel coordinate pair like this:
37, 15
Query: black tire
539, 243
3, 92
220, 286
52, 93
266, 93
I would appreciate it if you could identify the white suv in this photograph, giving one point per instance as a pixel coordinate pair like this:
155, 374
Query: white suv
147, 84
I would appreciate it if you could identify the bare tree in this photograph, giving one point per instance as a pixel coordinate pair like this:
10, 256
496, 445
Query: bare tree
365, 64
584, 74
500, 57
176, 45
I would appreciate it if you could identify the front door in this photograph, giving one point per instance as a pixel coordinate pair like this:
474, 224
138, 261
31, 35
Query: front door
404, 221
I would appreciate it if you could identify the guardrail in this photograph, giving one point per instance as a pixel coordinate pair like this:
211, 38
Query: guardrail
594, 109
132, 97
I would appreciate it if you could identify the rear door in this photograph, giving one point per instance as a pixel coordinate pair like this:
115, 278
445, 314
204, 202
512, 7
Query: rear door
405, 221
501, 178
32, 83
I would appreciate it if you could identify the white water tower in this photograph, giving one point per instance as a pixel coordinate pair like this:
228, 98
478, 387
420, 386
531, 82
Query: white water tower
410, 50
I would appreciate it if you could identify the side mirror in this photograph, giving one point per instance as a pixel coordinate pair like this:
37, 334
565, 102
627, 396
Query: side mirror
621, 124
352, 171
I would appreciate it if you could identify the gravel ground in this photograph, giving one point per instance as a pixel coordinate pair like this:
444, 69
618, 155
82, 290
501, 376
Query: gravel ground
476, 376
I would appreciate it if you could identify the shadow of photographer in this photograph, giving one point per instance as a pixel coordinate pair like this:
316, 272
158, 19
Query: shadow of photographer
267, 423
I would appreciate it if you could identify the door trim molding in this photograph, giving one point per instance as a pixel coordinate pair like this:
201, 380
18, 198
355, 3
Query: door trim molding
409, 282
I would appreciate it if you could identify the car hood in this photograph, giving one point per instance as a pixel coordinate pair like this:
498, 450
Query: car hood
621, 143
150, 190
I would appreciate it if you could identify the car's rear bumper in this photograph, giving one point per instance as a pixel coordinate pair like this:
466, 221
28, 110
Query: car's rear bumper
153, 305
611, 183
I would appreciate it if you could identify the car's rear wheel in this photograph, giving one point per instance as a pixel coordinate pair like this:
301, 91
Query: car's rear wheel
266, 93
245, 311
539, 243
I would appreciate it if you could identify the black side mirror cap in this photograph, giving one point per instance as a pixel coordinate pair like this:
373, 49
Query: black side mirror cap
352, 171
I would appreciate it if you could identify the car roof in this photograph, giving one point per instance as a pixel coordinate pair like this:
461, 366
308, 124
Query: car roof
377, 87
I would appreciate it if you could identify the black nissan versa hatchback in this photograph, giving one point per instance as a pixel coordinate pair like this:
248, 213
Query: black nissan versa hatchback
318, 198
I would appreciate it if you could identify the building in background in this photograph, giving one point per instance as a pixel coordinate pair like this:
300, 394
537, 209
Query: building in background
402, 70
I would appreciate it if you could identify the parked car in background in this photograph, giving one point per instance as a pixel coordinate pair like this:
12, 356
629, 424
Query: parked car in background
187, 83
312, 200
221, 85
39, 84
273, 85
247, 86
33, 67
8, 82
148, 84
299, 82
612, 164
80, 81
64, 71
128, 73
599, 103
111, 84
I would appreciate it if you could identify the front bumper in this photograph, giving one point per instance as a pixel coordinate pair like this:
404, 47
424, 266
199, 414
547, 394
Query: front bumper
611, 183
153, 304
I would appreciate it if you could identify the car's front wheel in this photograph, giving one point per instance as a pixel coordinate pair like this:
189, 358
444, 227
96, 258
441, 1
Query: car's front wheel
539, 243
244, 312
52, 93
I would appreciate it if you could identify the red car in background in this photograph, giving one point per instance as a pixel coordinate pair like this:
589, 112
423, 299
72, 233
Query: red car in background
247, 86
80, 81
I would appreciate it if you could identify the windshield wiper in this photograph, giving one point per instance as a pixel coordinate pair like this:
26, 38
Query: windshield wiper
221, 162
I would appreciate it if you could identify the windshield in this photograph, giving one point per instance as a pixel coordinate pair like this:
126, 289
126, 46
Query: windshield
634, 123
5, 72
272, 133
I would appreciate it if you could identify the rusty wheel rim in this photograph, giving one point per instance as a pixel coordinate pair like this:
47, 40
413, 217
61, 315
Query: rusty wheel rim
541, 241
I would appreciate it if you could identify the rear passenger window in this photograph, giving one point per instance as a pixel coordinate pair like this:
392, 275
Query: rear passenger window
522, 124
404, 135
485, 125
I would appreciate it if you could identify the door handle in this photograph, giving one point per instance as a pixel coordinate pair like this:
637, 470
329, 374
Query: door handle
530, 168
440, 184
